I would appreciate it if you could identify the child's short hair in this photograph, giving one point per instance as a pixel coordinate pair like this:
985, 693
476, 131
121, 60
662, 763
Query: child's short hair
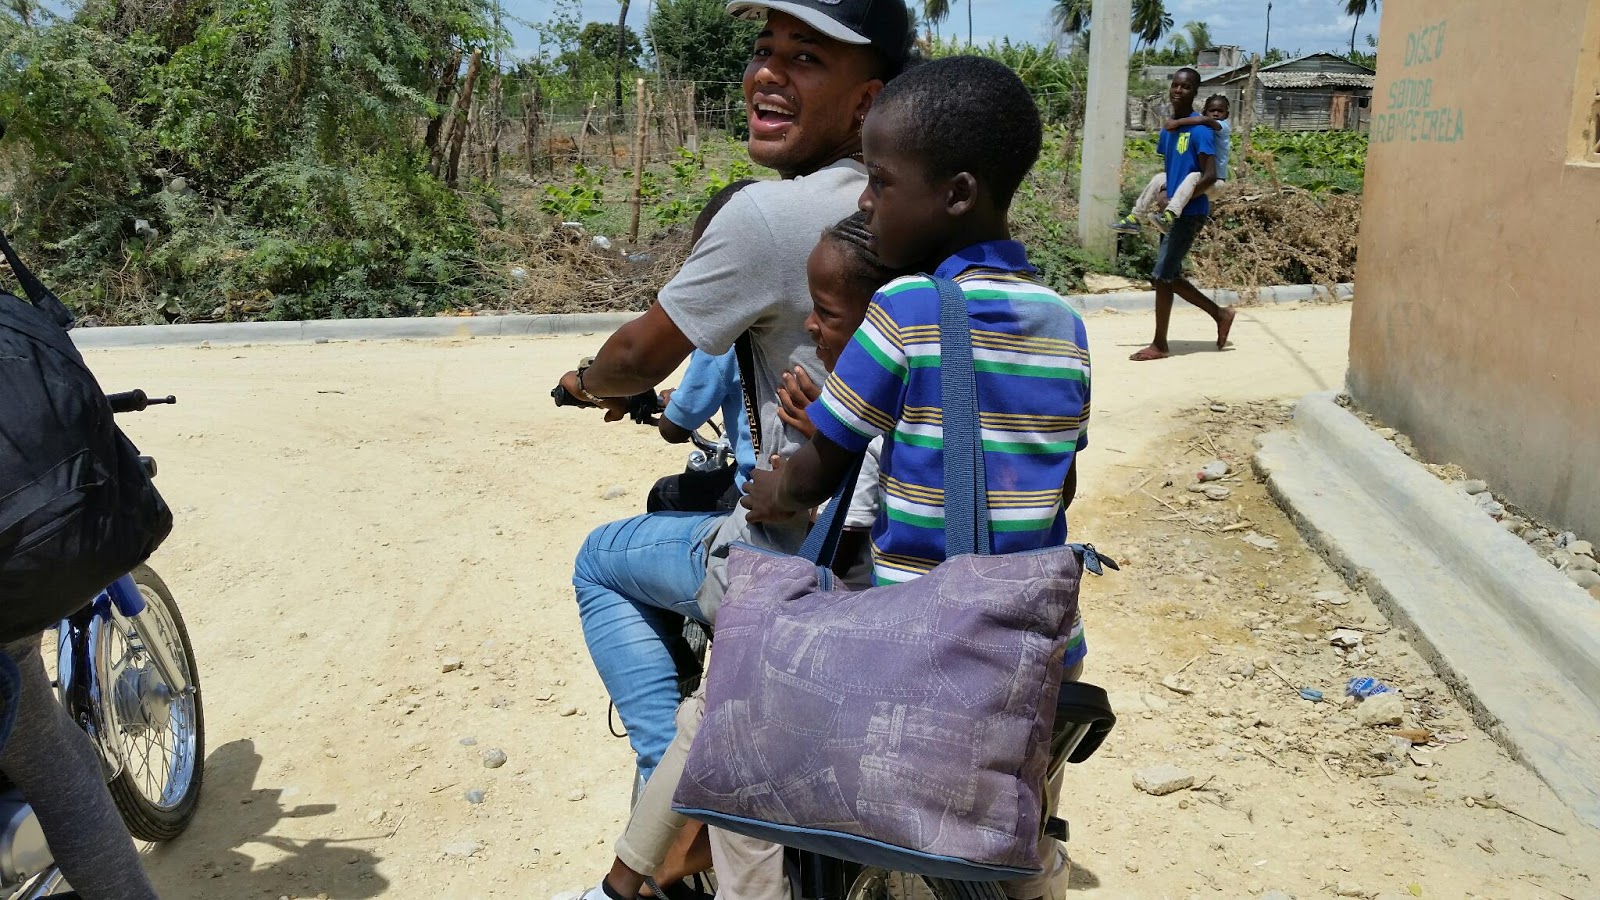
866, 271
1218, 99
1189, 69
967, 114
714, 206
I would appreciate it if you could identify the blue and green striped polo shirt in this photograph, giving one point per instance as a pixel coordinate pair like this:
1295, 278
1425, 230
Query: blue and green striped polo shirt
1031, 355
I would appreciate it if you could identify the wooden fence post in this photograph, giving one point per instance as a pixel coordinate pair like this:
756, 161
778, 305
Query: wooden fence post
660, 119
458, 122
694, 121
1248, 113
530, 127
611, 140
669, 94
496, 125
643, 132
583, 132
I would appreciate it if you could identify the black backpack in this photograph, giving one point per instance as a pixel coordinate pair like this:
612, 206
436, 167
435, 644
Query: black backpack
77, 509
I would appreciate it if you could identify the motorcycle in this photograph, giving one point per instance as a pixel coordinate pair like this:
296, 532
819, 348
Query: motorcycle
1083, 720
125, 672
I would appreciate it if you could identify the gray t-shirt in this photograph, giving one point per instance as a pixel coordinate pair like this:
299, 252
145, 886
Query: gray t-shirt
748, 272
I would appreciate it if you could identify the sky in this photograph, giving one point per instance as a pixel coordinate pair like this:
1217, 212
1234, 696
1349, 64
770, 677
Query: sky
1304, 25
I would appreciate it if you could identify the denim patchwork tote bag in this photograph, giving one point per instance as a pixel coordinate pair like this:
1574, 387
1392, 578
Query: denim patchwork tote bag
905, 726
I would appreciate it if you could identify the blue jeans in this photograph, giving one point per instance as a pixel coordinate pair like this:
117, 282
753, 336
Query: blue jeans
636, 579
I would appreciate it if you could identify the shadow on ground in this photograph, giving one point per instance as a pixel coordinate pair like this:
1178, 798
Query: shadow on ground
1184, 348
1082, 879
217, 856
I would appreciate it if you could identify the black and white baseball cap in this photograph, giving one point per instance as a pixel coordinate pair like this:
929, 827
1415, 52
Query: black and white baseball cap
885, 24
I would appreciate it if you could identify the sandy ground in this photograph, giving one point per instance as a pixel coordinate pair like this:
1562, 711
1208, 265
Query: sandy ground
350, 515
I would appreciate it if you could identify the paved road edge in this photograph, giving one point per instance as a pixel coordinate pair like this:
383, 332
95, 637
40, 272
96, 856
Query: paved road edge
460, 327
1516, 640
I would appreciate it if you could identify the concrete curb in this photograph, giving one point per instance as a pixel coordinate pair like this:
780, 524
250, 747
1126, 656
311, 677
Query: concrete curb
448, 327
1518, 642
433, 328
1139, 301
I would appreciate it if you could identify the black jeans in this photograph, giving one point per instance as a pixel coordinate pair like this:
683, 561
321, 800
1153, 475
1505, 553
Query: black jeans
52, 762
694, 492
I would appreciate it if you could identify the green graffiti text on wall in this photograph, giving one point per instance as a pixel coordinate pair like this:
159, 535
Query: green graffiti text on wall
1411, 114
1426, 45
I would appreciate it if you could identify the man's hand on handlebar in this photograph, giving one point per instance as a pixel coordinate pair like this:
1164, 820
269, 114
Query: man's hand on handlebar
616, 407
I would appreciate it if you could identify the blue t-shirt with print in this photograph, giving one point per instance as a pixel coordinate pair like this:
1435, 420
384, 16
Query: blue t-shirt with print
710, 385
1181, 150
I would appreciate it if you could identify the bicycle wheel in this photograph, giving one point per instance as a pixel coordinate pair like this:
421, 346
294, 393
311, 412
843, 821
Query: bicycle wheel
161, 734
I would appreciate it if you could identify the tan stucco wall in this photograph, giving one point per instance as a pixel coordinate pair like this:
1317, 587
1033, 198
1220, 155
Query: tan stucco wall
1476, 326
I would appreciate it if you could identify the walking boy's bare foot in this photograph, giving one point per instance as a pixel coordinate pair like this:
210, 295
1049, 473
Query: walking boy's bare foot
1224, 325
1149, 353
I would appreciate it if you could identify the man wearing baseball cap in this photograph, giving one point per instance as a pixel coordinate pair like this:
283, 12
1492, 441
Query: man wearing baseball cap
814, 71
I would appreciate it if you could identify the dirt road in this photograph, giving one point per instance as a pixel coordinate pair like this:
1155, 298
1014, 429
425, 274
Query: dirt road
352, 516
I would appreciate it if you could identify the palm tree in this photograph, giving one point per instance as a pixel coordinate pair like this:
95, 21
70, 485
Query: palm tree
1071, 16
1357, 8
1266, 43
1192, 38
1150, 20
935, 12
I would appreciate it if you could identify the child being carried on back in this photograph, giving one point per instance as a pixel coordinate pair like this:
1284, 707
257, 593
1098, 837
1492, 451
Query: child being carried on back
1215, 117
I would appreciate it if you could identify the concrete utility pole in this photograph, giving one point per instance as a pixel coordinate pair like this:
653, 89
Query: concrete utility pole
1104, 120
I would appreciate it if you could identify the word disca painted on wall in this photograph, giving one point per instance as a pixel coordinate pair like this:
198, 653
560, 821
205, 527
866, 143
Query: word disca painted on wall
1411, 114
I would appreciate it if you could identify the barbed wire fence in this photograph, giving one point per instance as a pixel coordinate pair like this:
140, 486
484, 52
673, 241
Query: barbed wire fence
670, 121
537, 136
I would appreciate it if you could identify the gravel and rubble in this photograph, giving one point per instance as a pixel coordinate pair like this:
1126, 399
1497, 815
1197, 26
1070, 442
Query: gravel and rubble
1239, 675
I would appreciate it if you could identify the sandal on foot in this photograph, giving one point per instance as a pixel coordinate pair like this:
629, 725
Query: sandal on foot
1148, 354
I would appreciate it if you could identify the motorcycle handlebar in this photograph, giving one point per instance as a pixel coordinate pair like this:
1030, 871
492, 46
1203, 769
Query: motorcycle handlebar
643, 407
136, 401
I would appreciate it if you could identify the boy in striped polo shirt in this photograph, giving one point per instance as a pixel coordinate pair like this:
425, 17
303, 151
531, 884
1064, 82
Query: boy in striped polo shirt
946, 146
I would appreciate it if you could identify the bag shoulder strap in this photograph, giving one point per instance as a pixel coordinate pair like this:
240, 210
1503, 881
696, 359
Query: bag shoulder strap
966, 492
822, 541
744, 354
39, 295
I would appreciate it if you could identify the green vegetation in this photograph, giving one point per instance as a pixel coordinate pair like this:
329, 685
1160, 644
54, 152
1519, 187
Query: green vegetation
239, 159
1334, 161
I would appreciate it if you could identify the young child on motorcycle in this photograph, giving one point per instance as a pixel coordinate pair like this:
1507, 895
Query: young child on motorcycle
842, 273
946, 146
710, 384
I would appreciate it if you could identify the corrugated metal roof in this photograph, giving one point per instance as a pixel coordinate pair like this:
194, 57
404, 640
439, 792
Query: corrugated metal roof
1332, 57
1230, 75
1294, 80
